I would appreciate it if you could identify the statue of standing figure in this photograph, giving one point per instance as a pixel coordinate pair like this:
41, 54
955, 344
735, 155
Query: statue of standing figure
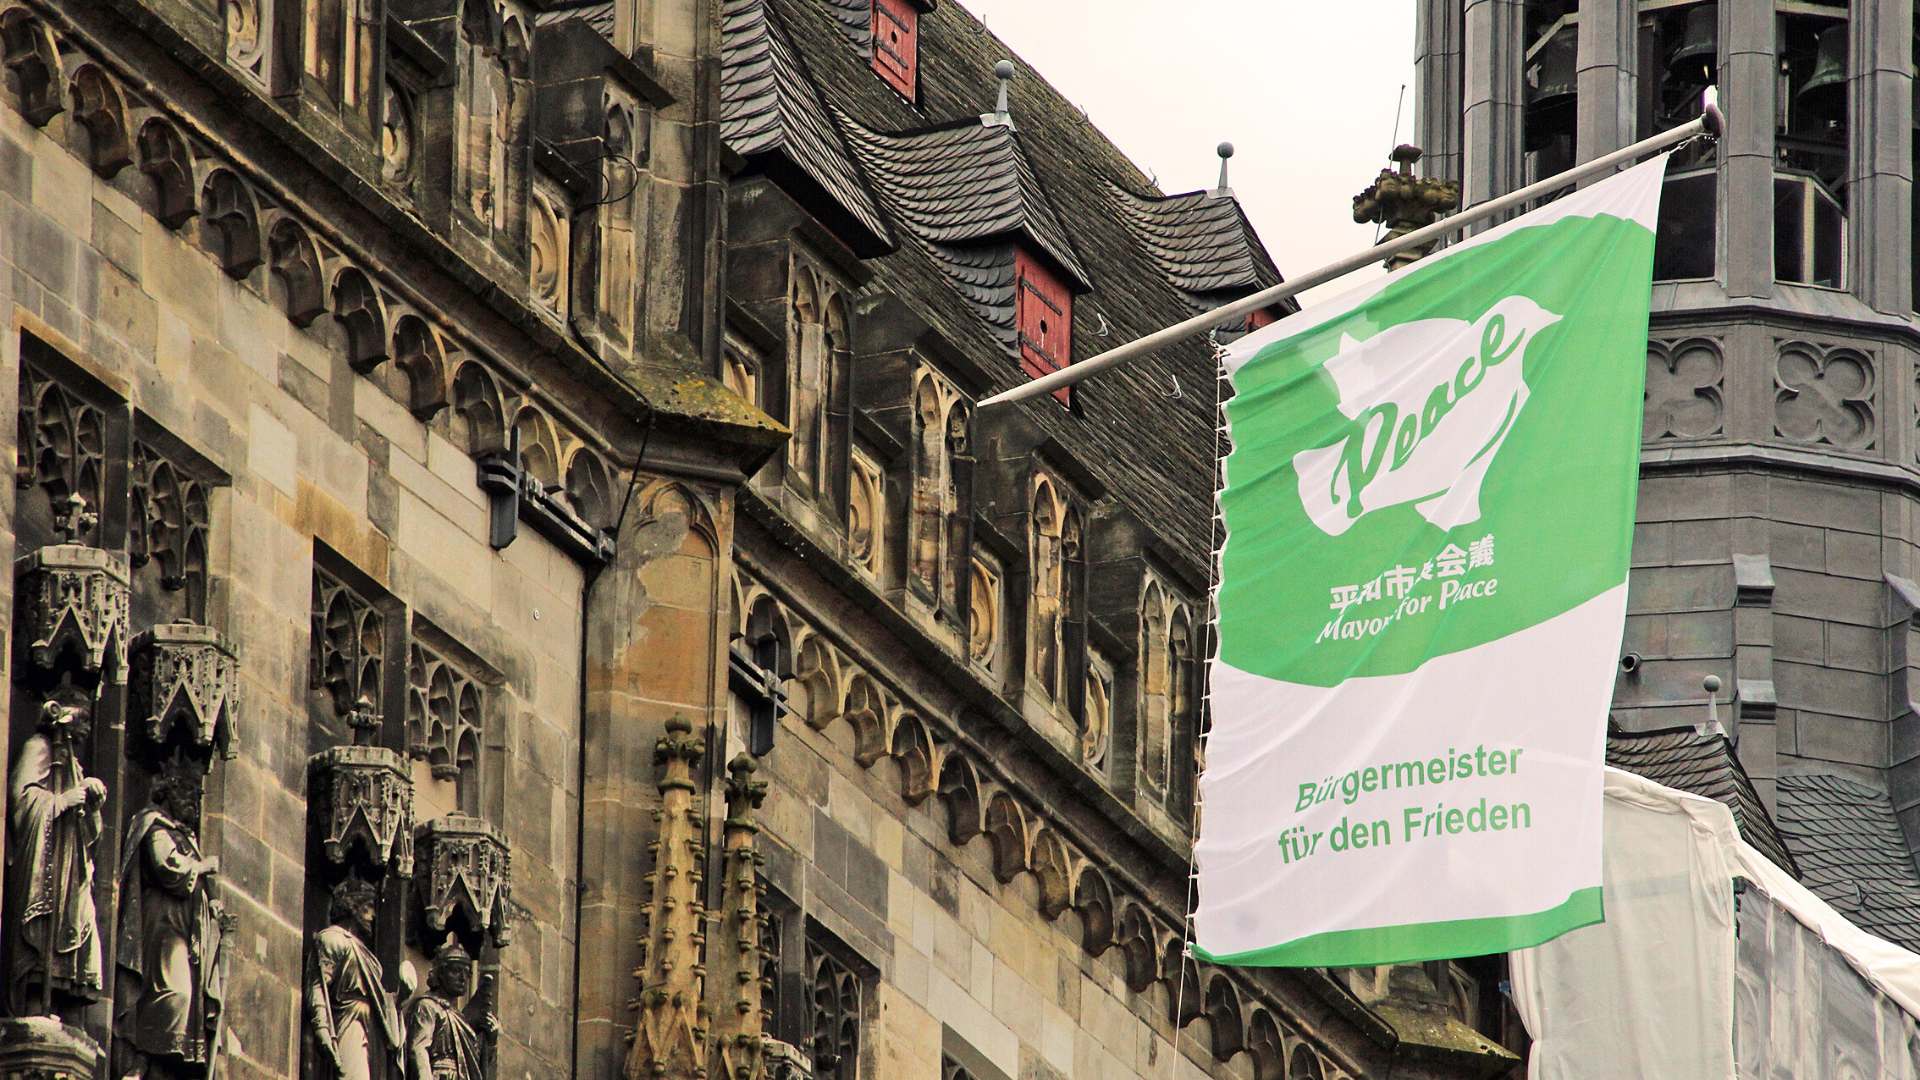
446, 1042
54, 821
170, 938
354, 1019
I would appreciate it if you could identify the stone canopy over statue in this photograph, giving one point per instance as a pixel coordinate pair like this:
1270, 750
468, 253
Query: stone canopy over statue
171, 936
54, 820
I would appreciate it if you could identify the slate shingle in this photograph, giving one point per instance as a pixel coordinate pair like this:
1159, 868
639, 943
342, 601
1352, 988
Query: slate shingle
1169, 487
771, 115
1852, 853
597, 15
964, 183
1704, 765
1201, 241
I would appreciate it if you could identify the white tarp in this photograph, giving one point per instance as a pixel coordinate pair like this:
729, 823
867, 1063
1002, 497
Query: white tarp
1650, 992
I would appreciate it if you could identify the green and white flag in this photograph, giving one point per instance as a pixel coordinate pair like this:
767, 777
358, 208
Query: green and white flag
1429, 507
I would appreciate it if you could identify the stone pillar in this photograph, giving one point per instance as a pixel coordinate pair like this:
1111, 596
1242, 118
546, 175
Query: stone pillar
656, 650
1755, 701
1492, 161
671, 1021
1609, 46
1880, 163
1438, 41
739, 1018
1747, 87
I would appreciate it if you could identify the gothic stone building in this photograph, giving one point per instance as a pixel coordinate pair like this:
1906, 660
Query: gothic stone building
1780, 470
509, 582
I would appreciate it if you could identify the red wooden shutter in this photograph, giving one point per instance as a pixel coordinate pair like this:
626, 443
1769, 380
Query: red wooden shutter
1043, 311
1261, 317
896, 44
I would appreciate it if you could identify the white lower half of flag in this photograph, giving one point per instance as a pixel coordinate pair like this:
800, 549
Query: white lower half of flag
1448, 811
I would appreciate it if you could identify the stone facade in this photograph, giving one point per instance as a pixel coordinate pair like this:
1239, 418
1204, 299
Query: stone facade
509, 580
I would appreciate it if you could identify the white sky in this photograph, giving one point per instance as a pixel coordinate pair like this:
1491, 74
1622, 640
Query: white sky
1305, 91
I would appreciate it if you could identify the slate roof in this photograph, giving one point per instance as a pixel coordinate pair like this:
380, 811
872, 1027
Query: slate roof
1852, 853
771, 115
1168, 489
964, 183
1201, 241
1704, 765
855, 19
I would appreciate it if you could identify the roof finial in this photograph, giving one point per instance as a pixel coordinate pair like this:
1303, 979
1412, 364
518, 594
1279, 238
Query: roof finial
1002, 114
1225, 150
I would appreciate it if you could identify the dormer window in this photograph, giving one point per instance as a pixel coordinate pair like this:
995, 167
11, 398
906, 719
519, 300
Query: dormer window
896, 44
1043, 312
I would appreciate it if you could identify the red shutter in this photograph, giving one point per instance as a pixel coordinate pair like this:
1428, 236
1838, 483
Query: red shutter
1261, 317
1043, 311
896, 44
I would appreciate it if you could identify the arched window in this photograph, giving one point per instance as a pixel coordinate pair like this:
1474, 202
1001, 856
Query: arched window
1056, 609
807, 345
619, 173
1183, 706
835, 408
1156, 687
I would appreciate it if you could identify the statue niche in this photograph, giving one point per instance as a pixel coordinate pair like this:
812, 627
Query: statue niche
54, 820
172, 935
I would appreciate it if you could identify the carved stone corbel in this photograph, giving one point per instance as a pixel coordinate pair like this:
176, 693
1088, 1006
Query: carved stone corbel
43, 1048
186, 685
463, 865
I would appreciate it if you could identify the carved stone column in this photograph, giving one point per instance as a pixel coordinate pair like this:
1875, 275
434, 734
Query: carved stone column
738, 1021
670, 1039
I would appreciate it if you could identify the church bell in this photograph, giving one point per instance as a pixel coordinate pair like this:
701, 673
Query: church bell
1821, 102
1693, 61
1552, 90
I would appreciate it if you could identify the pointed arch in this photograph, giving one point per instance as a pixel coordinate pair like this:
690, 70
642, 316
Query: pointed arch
1226, 1025
668, 499
539, 445
362, 315
865, 711
1093, 900
168, 164
590, 487
1182, 975
959, 788
293, 261
101, 110
1009, 830
33, 66
1053, 868
818, 669
1266, 1046
913, 752
418, 353
230, 223
1139, 948
476, 401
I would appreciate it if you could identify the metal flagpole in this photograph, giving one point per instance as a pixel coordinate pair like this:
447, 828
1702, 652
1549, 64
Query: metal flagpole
1709, 122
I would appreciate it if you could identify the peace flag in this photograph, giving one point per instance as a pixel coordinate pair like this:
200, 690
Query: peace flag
1428, 508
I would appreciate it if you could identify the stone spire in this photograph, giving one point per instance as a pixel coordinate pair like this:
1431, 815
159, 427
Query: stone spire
1404, 202
670, 1030
738, 1020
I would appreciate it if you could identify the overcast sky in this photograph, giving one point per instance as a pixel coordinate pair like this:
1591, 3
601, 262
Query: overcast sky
1305, 91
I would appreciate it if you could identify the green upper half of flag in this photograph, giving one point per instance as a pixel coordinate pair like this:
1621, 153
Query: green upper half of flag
1451, 460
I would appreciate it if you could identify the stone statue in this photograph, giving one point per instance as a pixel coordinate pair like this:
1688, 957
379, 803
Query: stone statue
171, 935
55, 819
354, 1019
446, 1042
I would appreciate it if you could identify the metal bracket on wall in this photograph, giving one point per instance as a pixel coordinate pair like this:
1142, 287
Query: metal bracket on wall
514, 495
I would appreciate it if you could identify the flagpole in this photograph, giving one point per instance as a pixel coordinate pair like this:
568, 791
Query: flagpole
1710, 122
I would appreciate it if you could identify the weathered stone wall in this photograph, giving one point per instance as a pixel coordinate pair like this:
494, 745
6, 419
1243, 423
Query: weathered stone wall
315, 458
